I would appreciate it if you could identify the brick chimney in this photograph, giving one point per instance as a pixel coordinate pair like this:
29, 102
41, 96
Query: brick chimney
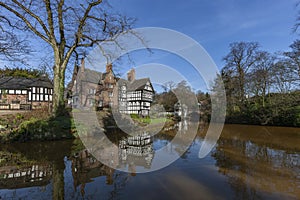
109, 67
131, 75
82, 65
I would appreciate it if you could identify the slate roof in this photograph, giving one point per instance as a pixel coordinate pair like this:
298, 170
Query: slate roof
92, 76
9, 82
122, 81
137, 84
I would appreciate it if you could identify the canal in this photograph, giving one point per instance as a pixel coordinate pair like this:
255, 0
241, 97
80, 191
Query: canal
248, 162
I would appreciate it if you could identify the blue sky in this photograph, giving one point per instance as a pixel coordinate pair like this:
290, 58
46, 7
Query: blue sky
216, 24
212, 23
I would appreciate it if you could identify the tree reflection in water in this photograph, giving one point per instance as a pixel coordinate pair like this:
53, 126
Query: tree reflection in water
255, 161
249, 162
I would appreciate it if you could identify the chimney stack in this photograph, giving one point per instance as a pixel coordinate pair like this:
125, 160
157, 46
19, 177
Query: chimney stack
109, 67
131, 75
82, 65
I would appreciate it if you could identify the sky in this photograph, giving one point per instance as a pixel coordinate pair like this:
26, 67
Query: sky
214, 25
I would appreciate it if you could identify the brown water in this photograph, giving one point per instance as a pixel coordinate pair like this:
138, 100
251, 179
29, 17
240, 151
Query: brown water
249, 162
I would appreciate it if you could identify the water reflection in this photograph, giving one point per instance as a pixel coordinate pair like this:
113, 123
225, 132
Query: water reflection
260, 161
13, 177
136, 151
249, 162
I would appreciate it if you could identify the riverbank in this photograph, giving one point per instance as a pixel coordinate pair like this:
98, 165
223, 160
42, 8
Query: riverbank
35, 125
38, 125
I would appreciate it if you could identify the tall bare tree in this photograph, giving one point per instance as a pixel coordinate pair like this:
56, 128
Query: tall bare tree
66, 27
239, 60
259, 82
294, 55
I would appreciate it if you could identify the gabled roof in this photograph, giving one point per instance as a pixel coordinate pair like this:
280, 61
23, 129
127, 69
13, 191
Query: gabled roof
122, 81
9, 82
92, 76
138, 84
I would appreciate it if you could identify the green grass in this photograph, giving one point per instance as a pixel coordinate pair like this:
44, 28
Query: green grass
148, 120
38, 128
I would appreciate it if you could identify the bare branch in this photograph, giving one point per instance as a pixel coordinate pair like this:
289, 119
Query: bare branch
50, 21
33, 15
26, 21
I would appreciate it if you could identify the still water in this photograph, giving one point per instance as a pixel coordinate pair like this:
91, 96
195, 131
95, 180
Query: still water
248, 162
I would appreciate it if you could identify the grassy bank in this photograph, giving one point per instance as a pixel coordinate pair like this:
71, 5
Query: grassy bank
35, 125
38, 125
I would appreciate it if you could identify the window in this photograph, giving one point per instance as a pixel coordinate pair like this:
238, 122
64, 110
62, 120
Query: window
33, 89
110, 85
110, 94
42, 97
24, 91
11, 91
46, 90
91, 102
46, 97
92, 91
100, 103
41, 90
18, 91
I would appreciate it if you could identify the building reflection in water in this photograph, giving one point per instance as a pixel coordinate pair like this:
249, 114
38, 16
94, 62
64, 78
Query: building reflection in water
14, 177
251, 162
136, 151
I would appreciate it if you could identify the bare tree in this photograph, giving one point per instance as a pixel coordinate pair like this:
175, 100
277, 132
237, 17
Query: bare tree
67, 27
284, 76
12, 47
294, 55
260, 76
297, 23
239, 60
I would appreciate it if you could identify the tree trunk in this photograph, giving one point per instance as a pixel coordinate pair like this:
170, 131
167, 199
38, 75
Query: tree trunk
59, 81
58, 91
242, 84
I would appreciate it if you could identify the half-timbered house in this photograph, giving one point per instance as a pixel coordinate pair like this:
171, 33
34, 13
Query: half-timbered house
135, 95
25, 93
93, 89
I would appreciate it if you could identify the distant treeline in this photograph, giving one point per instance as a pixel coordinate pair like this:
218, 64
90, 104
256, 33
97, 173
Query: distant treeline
261, 88
20, 72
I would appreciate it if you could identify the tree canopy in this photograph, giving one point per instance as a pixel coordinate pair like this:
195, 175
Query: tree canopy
20, 72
